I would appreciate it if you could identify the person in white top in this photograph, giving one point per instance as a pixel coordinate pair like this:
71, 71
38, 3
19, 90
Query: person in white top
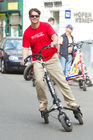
51, 21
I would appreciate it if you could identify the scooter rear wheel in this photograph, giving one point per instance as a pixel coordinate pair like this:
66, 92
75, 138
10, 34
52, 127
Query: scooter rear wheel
45, 115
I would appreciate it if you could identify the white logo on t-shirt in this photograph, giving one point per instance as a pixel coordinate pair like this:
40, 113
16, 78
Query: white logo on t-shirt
37, 35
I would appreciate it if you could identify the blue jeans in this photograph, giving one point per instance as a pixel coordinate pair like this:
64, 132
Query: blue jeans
66, 64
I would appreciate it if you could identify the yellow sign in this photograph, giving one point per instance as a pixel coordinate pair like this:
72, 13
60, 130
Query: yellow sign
13, 6
2, 15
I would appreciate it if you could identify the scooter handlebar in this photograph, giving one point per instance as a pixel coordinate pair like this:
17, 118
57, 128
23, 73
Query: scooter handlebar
35, 55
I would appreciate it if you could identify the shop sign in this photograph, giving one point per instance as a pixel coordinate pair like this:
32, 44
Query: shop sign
67, 14
83, 17
52, 4
13, 6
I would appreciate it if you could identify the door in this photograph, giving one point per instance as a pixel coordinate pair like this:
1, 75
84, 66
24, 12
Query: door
55, 15
14, 31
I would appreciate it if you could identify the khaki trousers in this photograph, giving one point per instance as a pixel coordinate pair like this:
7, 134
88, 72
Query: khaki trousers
54, 68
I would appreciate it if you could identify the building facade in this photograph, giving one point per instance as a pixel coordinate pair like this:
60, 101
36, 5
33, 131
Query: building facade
14, 16
78, 13
11, 17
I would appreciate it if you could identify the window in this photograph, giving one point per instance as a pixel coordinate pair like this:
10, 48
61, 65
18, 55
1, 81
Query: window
13, 44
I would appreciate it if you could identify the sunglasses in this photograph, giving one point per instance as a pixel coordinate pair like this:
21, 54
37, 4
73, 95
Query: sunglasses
34, 16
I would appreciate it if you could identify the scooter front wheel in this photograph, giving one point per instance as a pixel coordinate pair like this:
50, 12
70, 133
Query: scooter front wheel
28, 73
65, 122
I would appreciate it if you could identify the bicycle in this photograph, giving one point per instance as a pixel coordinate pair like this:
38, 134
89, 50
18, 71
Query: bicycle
62, 116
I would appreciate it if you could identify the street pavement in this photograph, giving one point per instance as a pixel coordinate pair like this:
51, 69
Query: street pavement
21, 120
90, 73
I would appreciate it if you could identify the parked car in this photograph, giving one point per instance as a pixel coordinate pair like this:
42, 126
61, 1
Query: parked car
11, 54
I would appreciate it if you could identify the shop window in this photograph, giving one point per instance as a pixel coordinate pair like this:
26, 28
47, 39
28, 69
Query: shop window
53, 3
48, 4
15, 19
57, 3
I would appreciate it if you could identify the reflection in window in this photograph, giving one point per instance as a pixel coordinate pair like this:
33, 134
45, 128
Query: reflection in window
13, 44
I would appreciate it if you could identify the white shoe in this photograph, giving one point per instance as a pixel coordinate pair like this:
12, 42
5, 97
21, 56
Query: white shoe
42, 106
73, 105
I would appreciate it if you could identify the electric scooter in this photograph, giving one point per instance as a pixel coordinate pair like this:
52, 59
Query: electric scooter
78, 68
62, 116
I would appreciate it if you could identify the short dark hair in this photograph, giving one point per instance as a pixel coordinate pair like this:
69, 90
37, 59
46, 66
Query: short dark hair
34, 9
51, 19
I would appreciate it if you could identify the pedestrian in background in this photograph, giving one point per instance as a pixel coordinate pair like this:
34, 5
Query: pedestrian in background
65, 50
51, 21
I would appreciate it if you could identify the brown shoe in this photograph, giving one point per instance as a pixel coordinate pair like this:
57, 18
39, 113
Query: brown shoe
42, 106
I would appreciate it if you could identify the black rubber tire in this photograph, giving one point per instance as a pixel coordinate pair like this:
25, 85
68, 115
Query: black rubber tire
79, 117
81, 84
46, 120
3, 66
65, 122
88, 82
28, 72
84, 86
34, 82
45, 115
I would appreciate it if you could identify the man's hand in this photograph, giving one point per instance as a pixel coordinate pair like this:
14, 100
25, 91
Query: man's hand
54, 44
24, 55
22, 62
54, 38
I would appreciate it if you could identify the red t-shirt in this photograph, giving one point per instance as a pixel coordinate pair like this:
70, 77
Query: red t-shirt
38, 38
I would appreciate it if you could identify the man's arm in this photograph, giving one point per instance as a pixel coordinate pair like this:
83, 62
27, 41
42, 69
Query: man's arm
55, 40
24, 55
60, 41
